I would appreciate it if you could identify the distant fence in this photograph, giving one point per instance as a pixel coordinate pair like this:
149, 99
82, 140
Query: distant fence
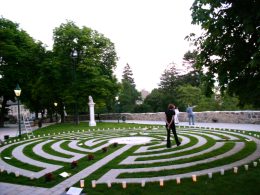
246, 117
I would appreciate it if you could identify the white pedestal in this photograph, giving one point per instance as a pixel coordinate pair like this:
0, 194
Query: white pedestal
92, 121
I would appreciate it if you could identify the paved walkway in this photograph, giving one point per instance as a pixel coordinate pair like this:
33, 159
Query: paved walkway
238, 126
11, 130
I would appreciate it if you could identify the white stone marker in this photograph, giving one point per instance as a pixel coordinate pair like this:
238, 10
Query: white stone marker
82, 183
194, 178
255, 164
161, 182
143, 183
17, 174
210, 175
178, 180
124, 184
91, 104
235, 169
246, 167
93, 183
108, 184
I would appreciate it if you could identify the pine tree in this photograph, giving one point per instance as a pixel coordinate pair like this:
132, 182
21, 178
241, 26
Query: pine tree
128, 74
129, 93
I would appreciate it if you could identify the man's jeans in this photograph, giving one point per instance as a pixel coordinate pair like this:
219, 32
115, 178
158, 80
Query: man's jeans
191, 119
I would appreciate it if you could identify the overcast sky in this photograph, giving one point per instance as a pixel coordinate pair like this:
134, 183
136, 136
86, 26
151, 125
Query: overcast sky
148, 34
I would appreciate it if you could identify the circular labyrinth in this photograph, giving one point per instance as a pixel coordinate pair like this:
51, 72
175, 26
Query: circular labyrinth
141, 153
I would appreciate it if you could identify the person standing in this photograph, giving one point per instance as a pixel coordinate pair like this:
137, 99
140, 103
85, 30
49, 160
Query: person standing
190, 113
176, 119
170, 125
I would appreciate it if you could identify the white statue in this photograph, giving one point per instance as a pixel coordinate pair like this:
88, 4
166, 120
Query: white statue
91, 104
90, 99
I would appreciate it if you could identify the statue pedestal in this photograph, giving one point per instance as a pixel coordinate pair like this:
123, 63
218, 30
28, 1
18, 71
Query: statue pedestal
92, 121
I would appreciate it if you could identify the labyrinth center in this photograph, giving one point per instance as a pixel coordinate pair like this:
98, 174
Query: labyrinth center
140, 154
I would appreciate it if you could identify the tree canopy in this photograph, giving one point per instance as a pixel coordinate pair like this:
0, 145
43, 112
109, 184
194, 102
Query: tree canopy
20, 56
90, 72
58, 75
229, 48
128, 93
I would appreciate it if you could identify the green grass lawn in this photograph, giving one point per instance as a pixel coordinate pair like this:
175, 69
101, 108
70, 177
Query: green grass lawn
244, 182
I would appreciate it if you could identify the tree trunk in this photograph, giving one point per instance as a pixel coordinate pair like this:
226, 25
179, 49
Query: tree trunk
62, 113
2, 113
2, 117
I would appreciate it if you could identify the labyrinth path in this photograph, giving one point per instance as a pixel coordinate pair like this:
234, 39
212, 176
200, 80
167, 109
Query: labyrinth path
141, 154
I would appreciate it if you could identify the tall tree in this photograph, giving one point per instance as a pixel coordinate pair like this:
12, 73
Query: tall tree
169, 78
90, 72
19, 59
128, 94
229, 48
157, 101
128, 74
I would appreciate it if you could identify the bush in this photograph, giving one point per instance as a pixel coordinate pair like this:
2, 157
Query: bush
74, 164
104, 149
90, 157
115, 144
49, 177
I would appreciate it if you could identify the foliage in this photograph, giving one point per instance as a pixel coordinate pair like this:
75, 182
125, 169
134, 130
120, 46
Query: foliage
88, 73
104, 149
20, 56
229, 48
142, 108
90, 157
49, 177
128, 74
188, 95
56, 76
187, 87
171, 80
128, 93
74, 164
155, 101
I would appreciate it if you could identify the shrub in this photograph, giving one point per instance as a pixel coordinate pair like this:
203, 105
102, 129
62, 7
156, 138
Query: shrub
115, 144
90, 157
104, 149
49, 177
74, 164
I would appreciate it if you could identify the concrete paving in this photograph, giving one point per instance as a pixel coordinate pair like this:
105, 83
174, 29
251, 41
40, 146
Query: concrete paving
11, 130
238, 126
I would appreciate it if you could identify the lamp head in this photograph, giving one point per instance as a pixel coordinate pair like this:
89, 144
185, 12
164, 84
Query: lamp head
74, 54
17, 90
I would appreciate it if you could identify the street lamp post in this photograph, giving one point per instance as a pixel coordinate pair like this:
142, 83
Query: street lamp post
74, 56
117, 106
56, 104
17, 92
